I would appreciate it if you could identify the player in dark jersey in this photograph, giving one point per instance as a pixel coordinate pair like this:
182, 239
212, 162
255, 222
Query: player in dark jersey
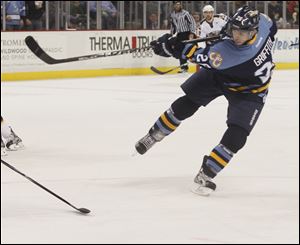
238, 67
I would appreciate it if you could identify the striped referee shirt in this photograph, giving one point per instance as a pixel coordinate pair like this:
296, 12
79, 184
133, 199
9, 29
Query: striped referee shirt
182, 22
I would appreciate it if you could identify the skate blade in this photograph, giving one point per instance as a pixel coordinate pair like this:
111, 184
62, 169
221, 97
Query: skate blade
201, 190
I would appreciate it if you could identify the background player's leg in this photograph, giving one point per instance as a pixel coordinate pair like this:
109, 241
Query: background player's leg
182, 37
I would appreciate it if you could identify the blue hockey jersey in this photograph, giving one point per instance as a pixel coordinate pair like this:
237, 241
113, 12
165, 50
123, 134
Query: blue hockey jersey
247, 68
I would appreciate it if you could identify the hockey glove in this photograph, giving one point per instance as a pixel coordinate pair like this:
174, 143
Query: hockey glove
167, 46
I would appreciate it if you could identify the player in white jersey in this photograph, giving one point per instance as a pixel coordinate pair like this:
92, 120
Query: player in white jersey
212, 23
9, 140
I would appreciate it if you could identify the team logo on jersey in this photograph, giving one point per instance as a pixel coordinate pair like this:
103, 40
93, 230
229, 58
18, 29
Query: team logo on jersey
216, 59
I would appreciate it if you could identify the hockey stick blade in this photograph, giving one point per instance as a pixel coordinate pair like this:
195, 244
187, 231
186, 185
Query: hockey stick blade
41, 54
81, 210
84, 210
154, 69
38, 51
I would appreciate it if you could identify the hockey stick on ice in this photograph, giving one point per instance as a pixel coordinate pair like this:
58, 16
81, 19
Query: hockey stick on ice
41, 54
81, 210
154, 69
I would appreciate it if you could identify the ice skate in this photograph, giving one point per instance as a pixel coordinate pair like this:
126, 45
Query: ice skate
203, 184
14, 142
144, 144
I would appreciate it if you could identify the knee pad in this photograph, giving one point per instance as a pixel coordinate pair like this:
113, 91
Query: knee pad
234, 138
184, 108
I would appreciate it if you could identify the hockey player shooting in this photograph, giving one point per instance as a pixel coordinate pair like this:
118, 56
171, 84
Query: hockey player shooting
238, 67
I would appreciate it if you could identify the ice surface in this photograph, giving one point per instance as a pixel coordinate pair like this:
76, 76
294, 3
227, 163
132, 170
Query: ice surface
80, 136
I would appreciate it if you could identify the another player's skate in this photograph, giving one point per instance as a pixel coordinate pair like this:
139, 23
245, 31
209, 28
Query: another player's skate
144, 144
3, 149
14, 142
203, 184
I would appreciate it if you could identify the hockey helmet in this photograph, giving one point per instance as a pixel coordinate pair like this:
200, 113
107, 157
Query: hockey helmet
245, 19
208, 8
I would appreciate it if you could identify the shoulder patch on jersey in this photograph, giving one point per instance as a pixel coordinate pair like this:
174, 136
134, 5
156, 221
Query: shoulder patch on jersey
216, 59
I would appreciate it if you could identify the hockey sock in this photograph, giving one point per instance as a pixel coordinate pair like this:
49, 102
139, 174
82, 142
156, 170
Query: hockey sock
217, 160
166, 123
233, 140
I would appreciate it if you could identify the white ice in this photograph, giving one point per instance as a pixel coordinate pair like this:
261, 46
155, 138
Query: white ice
80, 135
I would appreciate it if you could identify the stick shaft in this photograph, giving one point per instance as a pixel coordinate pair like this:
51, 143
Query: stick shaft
36, 183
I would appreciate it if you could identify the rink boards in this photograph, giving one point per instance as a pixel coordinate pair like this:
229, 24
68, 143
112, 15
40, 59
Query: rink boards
18, 63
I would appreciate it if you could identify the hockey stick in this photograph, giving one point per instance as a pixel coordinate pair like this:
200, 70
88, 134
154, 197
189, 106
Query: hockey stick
200, 40
81, 210
154, 69
41, 54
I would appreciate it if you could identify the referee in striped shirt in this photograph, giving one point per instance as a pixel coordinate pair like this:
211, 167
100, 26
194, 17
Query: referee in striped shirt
184, 25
